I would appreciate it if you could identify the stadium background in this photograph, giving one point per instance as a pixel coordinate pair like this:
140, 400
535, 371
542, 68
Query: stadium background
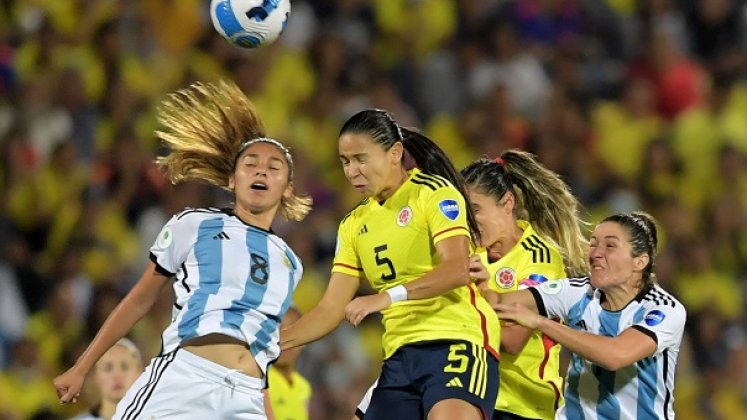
638, 104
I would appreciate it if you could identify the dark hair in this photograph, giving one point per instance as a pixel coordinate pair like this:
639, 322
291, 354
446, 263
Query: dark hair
643, 238
426, 154
542, 198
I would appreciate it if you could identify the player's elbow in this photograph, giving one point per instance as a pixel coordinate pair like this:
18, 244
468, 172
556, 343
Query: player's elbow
613, 362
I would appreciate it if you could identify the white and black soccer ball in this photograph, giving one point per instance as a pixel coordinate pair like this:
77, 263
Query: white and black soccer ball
250, 23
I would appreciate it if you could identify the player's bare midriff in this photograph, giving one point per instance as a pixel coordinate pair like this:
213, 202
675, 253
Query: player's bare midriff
225, 351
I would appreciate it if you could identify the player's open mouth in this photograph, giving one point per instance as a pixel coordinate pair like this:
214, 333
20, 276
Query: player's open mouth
259, 186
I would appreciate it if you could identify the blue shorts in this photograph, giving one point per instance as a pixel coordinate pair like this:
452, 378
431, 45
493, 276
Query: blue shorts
418, 376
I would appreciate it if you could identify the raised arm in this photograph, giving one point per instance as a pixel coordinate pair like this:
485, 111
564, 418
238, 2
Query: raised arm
130, 310
325, 316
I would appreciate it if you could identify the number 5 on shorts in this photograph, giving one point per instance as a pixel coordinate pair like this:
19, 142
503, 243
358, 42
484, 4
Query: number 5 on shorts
458, 361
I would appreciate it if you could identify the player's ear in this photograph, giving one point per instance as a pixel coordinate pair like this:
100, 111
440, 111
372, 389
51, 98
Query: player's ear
396, 152
231, 182
509, 201
640, 262
288, 193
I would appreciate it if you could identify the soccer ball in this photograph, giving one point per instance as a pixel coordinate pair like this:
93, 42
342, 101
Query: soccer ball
249, 23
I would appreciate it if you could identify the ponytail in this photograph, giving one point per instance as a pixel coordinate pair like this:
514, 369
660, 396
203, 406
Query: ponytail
542, 198
420, 151
432, 160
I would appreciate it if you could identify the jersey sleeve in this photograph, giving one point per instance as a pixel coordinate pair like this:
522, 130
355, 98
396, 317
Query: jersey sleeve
664, 323
346, 259
555, 298
173, 244
297, 265
446, 213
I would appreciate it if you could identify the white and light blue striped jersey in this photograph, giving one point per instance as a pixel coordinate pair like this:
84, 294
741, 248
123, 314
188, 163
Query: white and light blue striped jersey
230, 278
642, 390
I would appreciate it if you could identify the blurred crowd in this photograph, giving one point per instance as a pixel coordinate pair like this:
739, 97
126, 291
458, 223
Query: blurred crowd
638, 104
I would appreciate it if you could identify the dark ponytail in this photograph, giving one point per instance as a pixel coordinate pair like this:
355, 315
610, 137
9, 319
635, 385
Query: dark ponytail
420, 151
431, 159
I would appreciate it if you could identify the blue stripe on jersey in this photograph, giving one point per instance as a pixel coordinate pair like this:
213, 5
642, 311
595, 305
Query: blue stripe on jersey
608, 407
254, 291
647, 374
264, 335
268, 326
209, 256
572, 402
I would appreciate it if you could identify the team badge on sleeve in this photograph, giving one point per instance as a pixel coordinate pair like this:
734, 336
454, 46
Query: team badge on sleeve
505, 277
654, 318
551, 287
404, 216
449, 208
164, 238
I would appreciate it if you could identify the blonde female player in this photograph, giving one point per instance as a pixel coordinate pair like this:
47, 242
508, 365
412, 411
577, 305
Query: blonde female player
529, 233
232, 276
113, 375
624, 331
410, 238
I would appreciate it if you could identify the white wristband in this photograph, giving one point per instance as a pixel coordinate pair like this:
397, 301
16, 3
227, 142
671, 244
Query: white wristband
397, 293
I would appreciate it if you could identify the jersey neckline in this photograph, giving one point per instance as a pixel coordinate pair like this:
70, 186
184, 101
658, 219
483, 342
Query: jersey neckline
229, 211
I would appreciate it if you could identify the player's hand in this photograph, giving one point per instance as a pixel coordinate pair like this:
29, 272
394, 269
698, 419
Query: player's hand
519, 314
478, 272
68, 385
360, 307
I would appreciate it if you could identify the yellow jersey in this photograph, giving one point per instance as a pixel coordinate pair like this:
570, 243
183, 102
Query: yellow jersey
289, 400
393, 242
531, 385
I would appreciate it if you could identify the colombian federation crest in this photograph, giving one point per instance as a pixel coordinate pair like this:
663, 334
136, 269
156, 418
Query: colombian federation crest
404, 216
505, 278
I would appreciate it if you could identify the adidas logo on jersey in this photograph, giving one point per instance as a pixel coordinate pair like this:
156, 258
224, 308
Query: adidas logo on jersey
221, 235
454, 383
364, 229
